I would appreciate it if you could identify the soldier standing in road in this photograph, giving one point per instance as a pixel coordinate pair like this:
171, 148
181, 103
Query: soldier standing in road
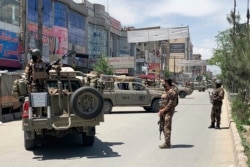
216, 99
167, 112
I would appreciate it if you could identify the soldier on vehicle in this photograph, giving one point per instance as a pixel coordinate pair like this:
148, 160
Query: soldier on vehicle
216, 99
167, 112
36, 72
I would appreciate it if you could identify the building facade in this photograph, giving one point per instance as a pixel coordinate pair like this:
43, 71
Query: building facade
56, 27
10, 48
159, 49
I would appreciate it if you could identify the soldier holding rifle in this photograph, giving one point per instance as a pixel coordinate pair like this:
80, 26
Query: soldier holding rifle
216, 99
166, 113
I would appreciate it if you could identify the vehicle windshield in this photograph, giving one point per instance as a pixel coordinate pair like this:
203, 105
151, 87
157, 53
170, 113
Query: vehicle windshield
74, 85
137, 86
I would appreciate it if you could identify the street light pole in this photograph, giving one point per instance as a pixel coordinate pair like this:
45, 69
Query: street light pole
40, 25
248, 15
174, 69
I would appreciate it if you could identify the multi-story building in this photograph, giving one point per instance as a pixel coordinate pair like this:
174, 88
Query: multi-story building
200, 69
160, 49
56, 27
10, 48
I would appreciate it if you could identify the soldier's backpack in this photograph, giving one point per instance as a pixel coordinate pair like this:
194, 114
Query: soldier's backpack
19, 87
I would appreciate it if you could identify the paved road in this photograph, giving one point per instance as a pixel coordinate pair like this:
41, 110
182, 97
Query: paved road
129, 137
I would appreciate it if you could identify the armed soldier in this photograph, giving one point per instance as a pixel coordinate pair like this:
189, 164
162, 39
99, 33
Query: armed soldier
36, 72
162, 103
167, 112
216, 100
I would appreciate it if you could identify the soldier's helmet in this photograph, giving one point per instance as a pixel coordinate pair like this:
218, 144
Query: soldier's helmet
218, 83
35, 53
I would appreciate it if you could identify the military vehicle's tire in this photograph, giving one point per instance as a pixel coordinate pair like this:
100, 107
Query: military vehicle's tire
86, 102
29, 144
107, 107
155, 105
182, 94
147, 108
88, 140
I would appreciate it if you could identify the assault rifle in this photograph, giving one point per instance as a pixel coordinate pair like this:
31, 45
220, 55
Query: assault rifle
211, 97
161, 125
49, 66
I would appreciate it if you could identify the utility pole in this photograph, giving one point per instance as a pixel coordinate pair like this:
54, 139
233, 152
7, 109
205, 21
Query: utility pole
248, 15
40, 26
174, 70
23, 29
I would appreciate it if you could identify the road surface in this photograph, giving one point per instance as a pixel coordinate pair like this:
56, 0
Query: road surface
129, 137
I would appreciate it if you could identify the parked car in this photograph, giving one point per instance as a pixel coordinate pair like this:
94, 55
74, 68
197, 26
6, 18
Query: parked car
198, 86
183, 90
208, 84
127, 93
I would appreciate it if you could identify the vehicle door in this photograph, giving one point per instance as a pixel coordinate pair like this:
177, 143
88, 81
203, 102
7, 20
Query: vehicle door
140, 94
122, 93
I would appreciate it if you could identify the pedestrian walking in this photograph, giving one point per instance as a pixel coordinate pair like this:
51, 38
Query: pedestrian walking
216, 98
167, 112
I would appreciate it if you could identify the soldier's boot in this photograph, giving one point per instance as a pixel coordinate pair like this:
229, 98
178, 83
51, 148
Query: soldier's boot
212, 125
164, 146
217, 126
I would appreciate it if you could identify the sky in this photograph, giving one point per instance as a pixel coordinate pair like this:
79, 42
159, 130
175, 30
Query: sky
205, 18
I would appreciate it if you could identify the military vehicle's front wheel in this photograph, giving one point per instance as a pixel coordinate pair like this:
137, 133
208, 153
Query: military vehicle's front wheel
182, 94
148, 109
87, 140
155, 105
86, 102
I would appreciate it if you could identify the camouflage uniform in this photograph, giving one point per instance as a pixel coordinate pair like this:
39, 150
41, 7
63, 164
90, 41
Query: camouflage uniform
170, 101
36, 77
95, 81
217, 97
36, 80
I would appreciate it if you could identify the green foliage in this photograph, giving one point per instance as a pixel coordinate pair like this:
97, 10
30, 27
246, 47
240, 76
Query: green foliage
102, 66
240, 111
232, 55
166, 73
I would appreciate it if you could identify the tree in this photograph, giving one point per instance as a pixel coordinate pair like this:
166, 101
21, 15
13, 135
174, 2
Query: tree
102, 66
166, 74
232, 55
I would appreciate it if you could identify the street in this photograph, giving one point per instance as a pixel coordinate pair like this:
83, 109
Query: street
129, 137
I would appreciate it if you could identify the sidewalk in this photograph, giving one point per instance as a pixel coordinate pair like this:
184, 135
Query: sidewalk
240, 157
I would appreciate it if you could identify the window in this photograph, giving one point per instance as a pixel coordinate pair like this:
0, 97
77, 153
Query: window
74, 85
137, 86
9, 12
123, 86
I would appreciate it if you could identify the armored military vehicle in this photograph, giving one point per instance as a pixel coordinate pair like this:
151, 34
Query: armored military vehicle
68, 106
127, 91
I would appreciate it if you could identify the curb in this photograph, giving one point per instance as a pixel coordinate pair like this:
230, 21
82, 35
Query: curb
239, 154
